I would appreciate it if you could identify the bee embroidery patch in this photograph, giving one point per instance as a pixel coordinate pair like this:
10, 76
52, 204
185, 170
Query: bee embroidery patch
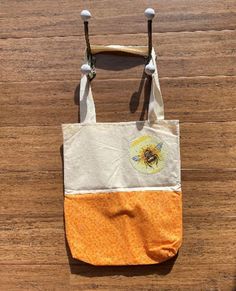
147, 154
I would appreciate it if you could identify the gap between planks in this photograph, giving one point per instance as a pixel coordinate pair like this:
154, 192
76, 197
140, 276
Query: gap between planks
59, 125
208, 170
118, 79
115, 34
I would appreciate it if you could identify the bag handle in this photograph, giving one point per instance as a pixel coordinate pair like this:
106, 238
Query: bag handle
87, 106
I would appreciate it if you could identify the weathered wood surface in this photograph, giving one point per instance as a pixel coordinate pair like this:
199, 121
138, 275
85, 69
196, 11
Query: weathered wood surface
51, 18
183, 54
203, 145
42, 48
188, 99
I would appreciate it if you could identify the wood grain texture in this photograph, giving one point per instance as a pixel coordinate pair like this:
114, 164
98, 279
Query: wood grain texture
62, 18
183, 54
51, 277
56, 102
39, 226
42, 46
46, 241
203, 145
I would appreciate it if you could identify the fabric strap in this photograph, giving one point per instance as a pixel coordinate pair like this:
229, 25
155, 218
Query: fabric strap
87, 106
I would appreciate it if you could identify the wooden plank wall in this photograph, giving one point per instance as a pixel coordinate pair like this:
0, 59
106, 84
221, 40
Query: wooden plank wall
42, 46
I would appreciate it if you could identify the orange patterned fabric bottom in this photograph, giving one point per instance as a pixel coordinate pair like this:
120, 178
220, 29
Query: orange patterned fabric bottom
124, 228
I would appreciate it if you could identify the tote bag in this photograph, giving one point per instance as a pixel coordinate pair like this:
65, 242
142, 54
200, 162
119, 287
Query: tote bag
123, 199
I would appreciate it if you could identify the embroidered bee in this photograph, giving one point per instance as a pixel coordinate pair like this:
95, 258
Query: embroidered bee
149, 155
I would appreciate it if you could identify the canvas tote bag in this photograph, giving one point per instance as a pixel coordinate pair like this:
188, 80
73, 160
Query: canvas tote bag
122, 183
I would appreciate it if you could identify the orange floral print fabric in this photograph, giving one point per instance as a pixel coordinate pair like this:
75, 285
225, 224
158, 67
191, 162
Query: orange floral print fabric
124, 228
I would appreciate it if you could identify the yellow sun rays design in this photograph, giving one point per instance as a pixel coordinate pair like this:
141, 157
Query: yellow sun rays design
147, 154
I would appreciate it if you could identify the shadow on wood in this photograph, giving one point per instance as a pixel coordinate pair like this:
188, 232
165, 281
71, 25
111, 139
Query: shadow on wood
122, 62
87, 270
115, 63
118, 61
